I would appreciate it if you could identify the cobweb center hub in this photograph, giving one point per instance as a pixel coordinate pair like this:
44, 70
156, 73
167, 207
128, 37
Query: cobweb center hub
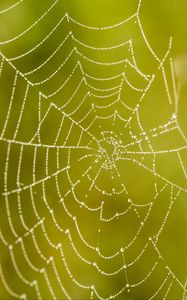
109, 152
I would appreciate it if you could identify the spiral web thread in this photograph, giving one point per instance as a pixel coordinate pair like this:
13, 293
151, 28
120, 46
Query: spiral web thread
84, 126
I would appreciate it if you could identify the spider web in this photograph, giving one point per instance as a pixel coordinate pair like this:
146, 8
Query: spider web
75, 134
